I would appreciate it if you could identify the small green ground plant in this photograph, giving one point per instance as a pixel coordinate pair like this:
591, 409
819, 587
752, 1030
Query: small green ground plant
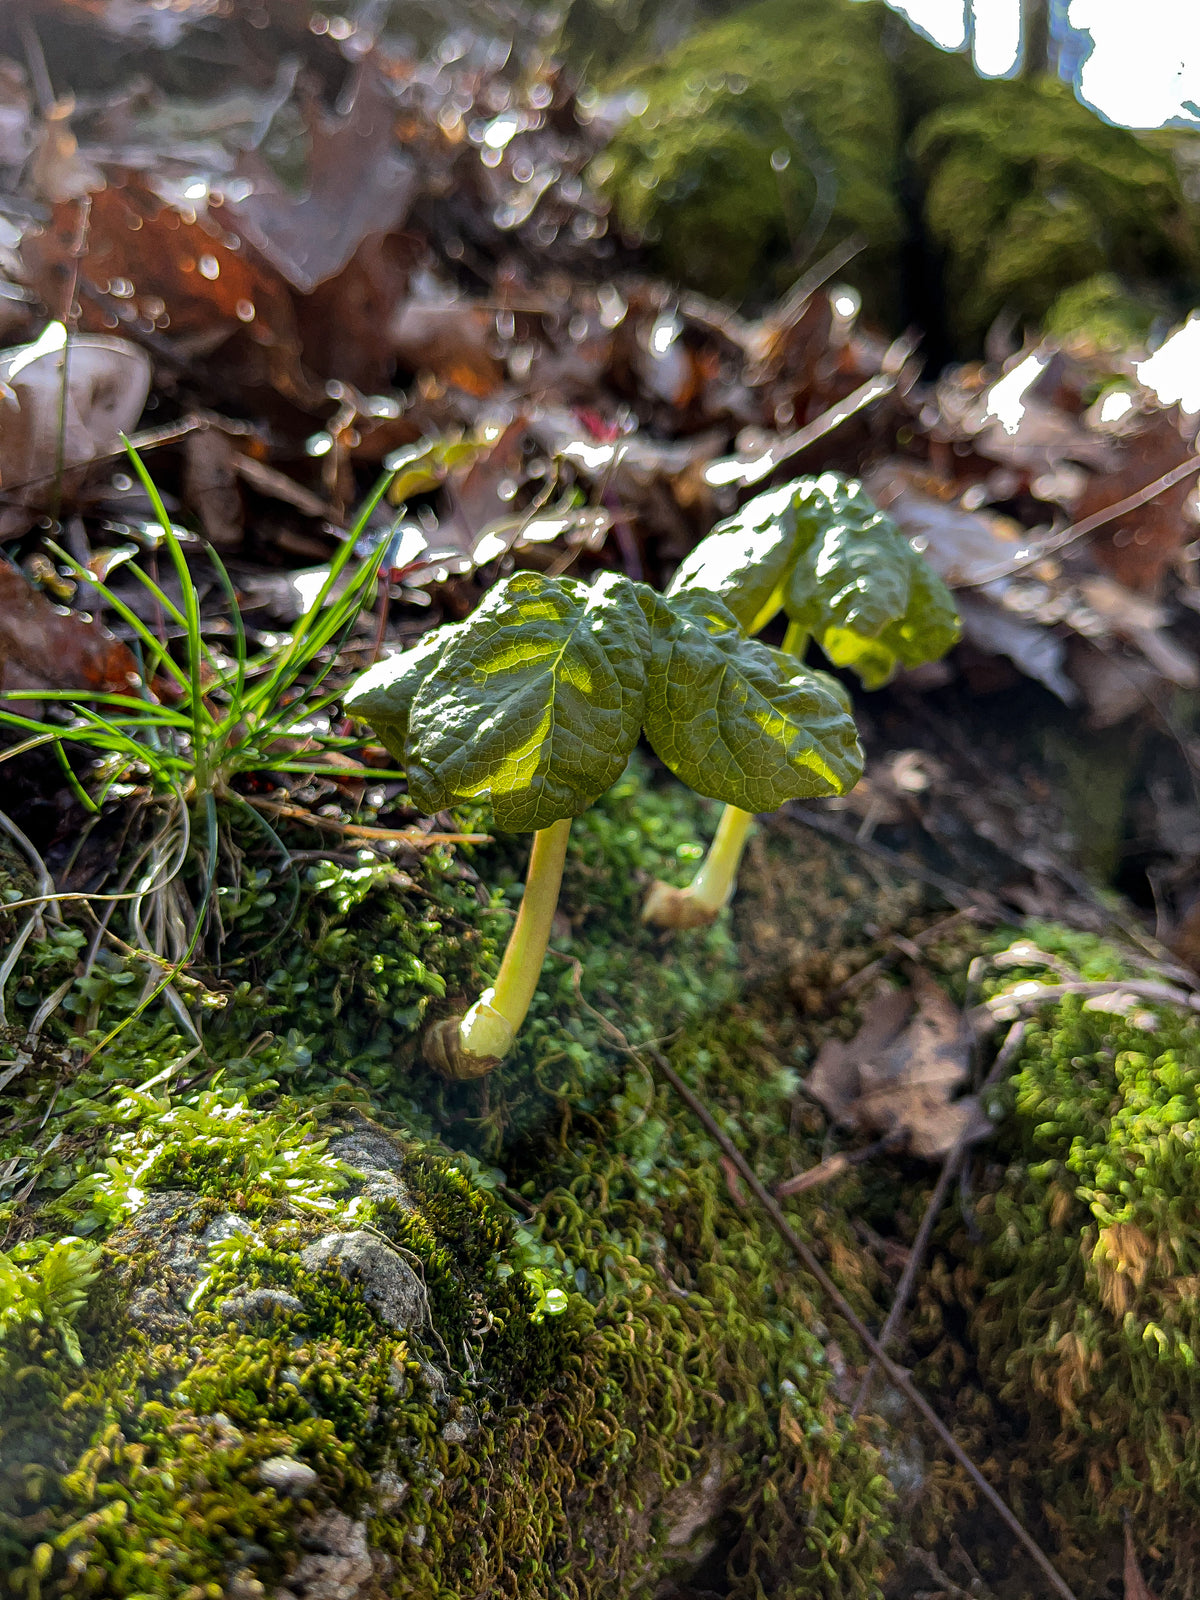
845, 576
200, 719
536, 703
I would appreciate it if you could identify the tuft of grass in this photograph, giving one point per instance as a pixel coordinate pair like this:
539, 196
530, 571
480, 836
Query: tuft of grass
177, 743
214, 718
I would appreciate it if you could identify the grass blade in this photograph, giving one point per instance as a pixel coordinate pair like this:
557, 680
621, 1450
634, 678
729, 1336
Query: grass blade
159, 653
191, 605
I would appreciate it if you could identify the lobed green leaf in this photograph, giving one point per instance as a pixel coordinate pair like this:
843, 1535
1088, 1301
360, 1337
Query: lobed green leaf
737, 720
746, 560
536, 701
842, 570
383, 696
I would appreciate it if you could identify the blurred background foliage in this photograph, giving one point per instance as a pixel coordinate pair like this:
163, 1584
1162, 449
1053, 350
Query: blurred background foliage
755, 138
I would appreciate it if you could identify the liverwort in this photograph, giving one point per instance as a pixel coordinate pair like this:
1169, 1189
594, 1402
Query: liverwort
535, 703
819, 550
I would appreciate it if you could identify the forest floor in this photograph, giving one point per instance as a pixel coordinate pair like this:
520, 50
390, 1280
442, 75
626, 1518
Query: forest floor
281, 1310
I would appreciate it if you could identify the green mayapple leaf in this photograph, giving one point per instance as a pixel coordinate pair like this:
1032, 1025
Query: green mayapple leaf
737, 720
841, 569
860, 588
746, 560
536, 702
383, 696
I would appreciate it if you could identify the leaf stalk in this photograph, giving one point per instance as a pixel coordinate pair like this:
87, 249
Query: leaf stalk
711, 890
471, 1047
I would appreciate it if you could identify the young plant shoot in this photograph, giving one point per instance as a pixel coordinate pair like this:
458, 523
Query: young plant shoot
535, 703
819, 550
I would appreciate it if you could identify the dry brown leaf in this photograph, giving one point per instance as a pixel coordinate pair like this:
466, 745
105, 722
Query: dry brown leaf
210, 485
1137, 549
899, 1072
359, 183
449, 337
157, 269
44, 646
107, 384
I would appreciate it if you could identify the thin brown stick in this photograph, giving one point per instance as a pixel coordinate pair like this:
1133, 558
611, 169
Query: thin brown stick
773, 1209
147, 439
1080, 530
927, 936
981, 905
743, 471
896, 1374
357, 830
826, 1171
951, 1168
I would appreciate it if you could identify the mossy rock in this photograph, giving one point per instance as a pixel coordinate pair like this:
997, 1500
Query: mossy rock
1100, 316
774, 130
305, 1332
299, 1315
1028, 193
1013, 191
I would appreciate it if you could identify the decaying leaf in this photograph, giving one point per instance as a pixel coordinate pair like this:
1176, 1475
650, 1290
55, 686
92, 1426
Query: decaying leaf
155, 268
900, 1071
358, 183
1139, 548
210, 484
41, 426
44, 646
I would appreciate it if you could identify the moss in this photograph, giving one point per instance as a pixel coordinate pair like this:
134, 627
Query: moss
1077, 1270
1100, 315
615, 1354
609, 1369
698, 173
1028, 193
1013, 191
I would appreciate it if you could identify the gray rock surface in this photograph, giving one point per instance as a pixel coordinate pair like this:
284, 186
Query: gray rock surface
287, 1476
390, 1286
259, 1305
337, 1564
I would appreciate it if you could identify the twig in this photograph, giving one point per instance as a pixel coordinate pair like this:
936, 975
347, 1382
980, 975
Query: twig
896, 1374
356, 830
744, 471
147, 439
78, 246
982, 1016
771, 1206
824, 1171
1080, 530
916, 1255
980, 905
947, 1588
35, 60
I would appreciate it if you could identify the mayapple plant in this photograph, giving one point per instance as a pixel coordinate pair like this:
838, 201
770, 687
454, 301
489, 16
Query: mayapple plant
536, 702
819, 550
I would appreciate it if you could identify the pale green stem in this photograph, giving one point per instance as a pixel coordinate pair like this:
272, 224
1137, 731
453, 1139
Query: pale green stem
713, 886
492, 1023
795, 640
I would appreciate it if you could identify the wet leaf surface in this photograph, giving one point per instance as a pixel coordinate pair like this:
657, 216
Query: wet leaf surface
45, 646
